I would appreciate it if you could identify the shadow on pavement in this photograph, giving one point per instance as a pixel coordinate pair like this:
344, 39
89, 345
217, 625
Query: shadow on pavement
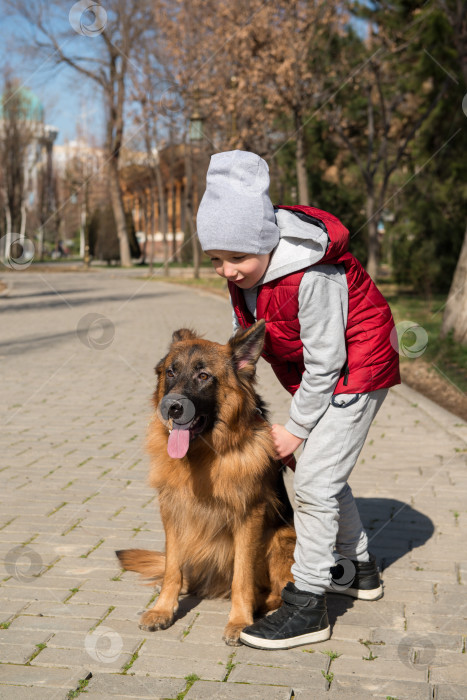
394, 528
85, 301
52, 292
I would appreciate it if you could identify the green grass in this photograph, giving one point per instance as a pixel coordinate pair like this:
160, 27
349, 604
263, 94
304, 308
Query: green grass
217, 284
448, 356
367, 644
130, 663
205, 262
80, 689
229, 666
192, 678
40, 647
332, 654
328, 676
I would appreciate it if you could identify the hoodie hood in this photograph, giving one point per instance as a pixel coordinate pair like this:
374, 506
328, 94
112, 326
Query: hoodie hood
301, 244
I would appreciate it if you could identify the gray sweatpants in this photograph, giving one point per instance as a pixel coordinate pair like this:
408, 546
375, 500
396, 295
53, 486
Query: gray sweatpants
326, 516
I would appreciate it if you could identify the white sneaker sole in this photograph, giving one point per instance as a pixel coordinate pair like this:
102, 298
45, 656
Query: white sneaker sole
310, 638
372, 594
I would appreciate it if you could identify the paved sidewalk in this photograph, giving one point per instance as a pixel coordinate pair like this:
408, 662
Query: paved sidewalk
77, 352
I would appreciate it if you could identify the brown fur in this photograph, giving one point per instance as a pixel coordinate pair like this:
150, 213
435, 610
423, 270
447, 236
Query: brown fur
227, 519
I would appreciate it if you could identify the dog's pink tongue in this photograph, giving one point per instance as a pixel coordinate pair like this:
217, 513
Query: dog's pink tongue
178, 444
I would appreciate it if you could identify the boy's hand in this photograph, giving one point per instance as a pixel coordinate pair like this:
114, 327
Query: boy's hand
284, 442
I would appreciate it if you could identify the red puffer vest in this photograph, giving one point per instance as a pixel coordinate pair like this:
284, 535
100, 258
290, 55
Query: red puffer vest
372, 362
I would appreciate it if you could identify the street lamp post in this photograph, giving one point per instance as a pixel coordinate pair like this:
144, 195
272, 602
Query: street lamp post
196, 131
233, 124
47, 139
195, 135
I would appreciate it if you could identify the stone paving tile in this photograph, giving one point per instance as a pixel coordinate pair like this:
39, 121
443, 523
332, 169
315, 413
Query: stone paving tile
74, 489
440, 641
113, 686
380, 689
178, 667
49, 609
379, 668
451, 692
72, 640
332, 693
94, 660
204, 690
396, 586
310, 656
161, 657
130, 628
139, 597
452, 673
300, 678
8, 692
54, 624
9, 608
23, 595
16, 653
32, 676
341, 631
452, 623
206, 635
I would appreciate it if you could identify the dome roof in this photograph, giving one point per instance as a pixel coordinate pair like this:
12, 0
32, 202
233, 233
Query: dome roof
32, 108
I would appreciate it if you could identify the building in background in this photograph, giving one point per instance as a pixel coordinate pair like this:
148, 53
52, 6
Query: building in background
58, 195
27, 181
141, 198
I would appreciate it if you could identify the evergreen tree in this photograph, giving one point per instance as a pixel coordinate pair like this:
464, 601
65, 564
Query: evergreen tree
430, 211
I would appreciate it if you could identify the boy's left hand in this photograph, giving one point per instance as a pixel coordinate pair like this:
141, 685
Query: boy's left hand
284, 442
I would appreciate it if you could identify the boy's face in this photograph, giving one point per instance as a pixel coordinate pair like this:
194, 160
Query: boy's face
244, 269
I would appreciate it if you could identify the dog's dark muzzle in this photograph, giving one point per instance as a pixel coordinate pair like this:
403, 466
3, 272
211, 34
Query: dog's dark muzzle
178, 408
184, 423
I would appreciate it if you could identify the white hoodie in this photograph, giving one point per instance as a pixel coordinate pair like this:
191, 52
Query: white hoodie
322, 312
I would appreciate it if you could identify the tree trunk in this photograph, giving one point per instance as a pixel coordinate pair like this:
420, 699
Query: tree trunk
7, 238
373, 240
152, 232
39, 254
455, 313
162, 211
119, 213
302, 174
22, 230
170, 211
196, 257
172, 194
82, 228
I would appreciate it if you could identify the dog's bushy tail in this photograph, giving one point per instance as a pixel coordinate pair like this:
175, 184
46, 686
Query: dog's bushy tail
151, 565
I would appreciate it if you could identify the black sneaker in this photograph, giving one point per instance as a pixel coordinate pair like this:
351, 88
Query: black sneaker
301, 619
365, 583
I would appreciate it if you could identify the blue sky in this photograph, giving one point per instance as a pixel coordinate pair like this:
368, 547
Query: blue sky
69, 100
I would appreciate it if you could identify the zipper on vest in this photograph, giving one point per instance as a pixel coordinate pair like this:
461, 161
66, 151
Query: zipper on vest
346, 373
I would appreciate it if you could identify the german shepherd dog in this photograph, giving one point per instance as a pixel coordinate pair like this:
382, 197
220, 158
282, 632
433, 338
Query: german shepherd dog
227, 518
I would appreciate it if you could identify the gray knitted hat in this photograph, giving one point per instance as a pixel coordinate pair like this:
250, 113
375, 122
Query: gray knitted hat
236, 212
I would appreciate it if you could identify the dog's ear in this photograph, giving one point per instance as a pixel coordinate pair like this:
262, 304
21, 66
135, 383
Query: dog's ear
183, 334
246, 346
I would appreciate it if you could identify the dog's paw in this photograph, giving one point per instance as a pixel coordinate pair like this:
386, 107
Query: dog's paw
231, 634
150, 621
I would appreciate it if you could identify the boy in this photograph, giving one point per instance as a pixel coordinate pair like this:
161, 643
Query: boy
327, 339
